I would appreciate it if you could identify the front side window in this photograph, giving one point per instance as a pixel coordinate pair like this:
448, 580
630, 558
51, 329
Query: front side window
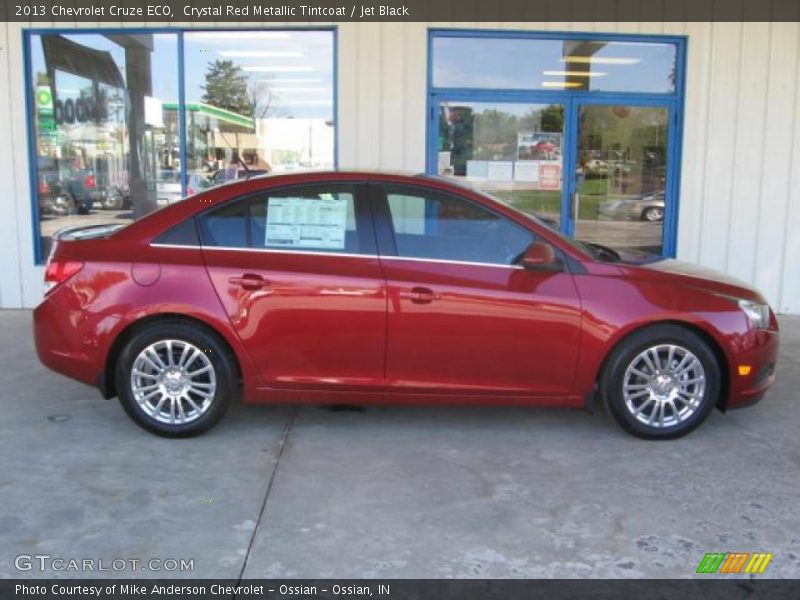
317, 219
430, 225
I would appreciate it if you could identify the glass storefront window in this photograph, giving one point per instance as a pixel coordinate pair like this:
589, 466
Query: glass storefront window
514, 151
102, 134
106, 117
552, 64
257, 101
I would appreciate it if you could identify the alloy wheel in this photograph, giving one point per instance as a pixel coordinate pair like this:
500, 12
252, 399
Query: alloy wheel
664, 385
173, 382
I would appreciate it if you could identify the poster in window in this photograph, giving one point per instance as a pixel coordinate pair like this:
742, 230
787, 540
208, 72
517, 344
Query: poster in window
526, 170
550, 176
500, 170
311, 223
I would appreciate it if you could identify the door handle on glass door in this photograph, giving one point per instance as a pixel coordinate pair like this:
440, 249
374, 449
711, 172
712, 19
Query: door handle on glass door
249, 281
420, 295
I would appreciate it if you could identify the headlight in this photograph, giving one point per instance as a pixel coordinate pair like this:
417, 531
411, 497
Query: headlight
757, 314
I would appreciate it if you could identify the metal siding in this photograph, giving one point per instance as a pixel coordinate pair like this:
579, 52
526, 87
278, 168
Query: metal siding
740, 203
13, 203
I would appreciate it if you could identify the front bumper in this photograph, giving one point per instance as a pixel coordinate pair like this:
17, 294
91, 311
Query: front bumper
761, 356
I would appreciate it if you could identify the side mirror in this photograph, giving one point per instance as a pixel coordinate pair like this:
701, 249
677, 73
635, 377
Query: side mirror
540, 256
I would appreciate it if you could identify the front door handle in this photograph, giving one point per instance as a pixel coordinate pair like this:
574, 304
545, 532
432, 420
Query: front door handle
249, 281
420, 295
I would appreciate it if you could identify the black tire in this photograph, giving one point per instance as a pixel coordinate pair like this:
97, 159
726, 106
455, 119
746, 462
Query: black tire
612, 380
217, 353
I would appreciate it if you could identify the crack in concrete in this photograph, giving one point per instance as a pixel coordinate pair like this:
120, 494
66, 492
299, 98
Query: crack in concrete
287, 429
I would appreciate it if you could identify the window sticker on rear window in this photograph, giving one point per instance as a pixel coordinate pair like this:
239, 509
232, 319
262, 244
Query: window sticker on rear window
306, 223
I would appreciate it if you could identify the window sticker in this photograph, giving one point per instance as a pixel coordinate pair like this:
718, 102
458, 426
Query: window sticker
306, 223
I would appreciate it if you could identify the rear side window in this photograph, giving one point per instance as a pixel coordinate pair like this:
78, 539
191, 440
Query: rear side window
438, 226
312, 218
182, 234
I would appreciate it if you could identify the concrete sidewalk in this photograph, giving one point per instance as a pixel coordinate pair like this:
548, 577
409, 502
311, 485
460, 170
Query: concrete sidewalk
390, 492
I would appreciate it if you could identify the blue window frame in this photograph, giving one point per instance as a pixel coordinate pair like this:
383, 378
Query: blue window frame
184, 110
444, 90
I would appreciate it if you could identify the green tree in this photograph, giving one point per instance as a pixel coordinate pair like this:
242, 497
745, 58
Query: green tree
553, 118
226, 87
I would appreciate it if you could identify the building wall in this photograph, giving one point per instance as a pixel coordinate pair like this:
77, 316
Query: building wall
740, 190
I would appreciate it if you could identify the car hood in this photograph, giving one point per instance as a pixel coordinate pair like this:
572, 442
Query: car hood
702, 276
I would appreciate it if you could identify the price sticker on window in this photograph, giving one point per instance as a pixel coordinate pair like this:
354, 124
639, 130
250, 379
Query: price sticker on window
315, 223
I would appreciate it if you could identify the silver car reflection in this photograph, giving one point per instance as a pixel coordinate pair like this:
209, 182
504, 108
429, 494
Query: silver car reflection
645, 208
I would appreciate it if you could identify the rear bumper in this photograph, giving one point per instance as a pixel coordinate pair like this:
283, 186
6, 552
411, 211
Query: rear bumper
761, 356
71, 341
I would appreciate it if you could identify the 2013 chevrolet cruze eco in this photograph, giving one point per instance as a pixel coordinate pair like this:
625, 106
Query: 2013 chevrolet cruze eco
377, 288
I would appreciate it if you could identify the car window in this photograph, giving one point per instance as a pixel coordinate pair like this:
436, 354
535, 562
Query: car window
318, 218
438, 226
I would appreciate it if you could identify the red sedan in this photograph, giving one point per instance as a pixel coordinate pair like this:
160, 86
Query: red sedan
374, 288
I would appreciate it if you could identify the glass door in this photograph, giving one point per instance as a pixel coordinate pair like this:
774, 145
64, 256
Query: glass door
619, 193
514, 150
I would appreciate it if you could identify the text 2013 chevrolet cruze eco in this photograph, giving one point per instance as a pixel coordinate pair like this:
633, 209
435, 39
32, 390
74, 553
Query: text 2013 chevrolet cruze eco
357, 288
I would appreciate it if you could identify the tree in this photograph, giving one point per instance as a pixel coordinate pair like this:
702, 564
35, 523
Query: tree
262, 101
553, 118
226, 87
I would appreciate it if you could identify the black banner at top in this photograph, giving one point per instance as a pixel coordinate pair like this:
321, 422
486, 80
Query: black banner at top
312, 11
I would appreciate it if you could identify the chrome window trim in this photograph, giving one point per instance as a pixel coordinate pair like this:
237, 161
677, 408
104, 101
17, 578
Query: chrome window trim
267, 250
452, 262
345, 254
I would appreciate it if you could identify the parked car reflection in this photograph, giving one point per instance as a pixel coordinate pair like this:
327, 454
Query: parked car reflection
645, 208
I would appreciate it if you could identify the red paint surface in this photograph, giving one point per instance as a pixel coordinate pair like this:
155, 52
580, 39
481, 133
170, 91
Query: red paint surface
360, 329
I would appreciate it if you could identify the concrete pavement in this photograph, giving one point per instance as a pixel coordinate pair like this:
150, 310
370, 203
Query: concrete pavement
390, 492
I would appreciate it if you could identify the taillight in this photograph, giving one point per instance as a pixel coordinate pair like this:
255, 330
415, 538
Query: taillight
58, 271
89, 182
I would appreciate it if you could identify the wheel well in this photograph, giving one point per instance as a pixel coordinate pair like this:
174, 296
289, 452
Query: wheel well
724, 371
107, 383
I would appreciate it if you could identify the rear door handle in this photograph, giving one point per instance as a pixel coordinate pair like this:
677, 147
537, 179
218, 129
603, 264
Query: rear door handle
249, 281
420, 295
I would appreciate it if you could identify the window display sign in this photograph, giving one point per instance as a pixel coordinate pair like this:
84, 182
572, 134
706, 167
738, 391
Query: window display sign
550, 177
306, 223
477, 169
500, 170
526, 170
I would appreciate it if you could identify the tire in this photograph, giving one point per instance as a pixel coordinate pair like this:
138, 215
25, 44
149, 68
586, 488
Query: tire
653, 214
680, 398
63, 206
113, 202
184, 411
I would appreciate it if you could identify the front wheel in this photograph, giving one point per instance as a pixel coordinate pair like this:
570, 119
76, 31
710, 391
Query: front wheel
175, 379
661, 382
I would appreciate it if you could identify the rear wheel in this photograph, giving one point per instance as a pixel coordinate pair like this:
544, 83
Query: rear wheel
175, 379
653, 213
661, 382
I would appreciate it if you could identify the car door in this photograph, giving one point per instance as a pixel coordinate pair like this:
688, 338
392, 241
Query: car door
463, 317
297, 272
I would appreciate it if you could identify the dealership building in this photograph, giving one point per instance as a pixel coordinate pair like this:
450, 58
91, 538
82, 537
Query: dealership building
674, 139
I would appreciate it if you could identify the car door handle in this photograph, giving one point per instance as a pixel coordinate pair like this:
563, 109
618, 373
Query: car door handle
420, 295
249, 281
